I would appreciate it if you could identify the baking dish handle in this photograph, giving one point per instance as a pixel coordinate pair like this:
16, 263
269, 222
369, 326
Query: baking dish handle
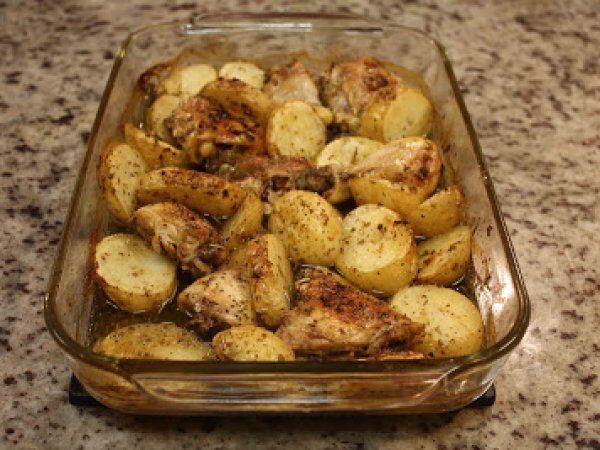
290, 392
299, 20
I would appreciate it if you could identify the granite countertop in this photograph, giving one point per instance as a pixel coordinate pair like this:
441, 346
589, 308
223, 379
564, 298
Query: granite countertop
530, 76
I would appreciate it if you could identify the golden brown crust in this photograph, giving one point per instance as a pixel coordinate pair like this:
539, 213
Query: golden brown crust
287, 82
200, 191
199, 120
150, 79
239, 98
183, 235
218, 301
351, 85
332, 316
413, 162
119, 170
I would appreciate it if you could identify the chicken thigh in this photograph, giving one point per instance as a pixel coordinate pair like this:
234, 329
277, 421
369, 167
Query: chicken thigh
332, 316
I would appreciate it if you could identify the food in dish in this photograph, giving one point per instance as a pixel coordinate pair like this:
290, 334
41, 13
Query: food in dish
303, 212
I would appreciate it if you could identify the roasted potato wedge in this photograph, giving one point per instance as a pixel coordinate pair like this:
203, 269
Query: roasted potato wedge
251, 343
155, 341
387, 118
239, 98
309, 227
155, 152
443, 259
438, 214
295, 129
378, 250
244, 71
341, 154
271, 278
203, 192
119, 173
453, 325
245, 223
187, 81
399, 176
183, 235
264, 262
399, 198
162, 108
132, 275
218, 301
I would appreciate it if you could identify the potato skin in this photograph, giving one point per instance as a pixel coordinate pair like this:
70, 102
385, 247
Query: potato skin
438, 214
443, 259
203, 192
271, 278
245, 71
378, 250
187, 81
309, 227
245, 223
239, 98
155, 152
366, 190
132, 275
251, 343
161, 109
453, 325
154, 341
119, 171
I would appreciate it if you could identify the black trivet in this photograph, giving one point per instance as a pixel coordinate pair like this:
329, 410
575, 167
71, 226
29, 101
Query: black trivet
78, 396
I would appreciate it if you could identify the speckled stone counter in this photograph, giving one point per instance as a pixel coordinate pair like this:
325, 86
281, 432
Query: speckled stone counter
530, 76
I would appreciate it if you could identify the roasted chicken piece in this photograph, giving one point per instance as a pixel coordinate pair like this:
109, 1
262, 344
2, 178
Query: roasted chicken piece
293, 82
332, 316
198, 124
287, 82
151, 78
217, 301
348, 87
268, 175
183, 235
413, 162
284, 173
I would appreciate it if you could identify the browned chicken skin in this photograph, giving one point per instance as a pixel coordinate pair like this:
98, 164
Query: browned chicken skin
198, 121
413, 162
284, 173
150, 79
217, 301
287, 82
273, 174
183, 235
350, 86
333, 317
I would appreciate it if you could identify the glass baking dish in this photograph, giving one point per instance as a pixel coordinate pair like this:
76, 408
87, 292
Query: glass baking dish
411, 386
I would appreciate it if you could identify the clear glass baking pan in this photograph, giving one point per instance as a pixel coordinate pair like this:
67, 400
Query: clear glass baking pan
411, 386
